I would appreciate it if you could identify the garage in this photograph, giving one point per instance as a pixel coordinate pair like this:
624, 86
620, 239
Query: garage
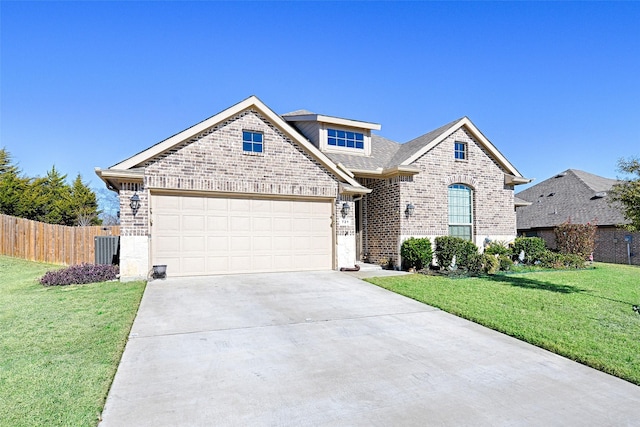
197, 235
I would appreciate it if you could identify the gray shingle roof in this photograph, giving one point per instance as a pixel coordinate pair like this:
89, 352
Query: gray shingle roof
409, 148
573, 194
386, 153
382, 151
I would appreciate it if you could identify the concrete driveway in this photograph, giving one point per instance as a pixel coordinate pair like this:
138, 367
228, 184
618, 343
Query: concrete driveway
325, 348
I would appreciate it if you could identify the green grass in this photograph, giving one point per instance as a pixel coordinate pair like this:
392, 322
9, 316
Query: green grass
585, 315
59, 346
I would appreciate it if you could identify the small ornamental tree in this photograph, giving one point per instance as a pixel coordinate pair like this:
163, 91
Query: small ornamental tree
416, 253
576, 239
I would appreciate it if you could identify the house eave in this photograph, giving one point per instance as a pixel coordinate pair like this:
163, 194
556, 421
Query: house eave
114, 177
333, 120
348, 189
515, 180
400, 170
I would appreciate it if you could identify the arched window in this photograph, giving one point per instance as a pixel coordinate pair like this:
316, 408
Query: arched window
460, 211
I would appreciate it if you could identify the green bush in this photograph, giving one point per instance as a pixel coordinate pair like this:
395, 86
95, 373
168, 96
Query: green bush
416, 253
467, 257
498, 248
505, 263
533, 247
465, 252
490, 263
558, 260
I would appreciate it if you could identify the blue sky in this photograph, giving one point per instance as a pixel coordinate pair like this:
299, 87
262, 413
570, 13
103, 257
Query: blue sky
554, 85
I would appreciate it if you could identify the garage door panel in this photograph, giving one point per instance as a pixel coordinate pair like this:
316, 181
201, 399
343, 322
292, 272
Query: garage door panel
200, 235
242, 224
261, 225
217, 223
240, 243
282, 225
217, 244
190, 244
262, 243
193, 203
168, 222
192, 223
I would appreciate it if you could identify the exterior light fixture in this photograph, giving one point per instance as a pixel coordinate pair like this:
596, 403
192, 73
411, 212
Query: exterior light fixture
134, 203
409, 210
345, 209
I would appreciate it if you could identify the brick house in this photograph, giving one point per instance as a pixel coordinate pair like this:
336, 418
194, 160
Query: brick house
248, 190
580, 197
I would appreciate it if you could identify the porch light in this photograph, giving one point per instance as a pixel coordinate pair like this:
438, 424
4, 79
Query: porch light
409, 210
135, 203
345, 209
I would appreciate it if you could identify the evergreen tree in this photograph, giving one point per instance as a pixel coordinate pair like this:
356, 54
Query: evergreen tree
51, 199
12, 186
84, 203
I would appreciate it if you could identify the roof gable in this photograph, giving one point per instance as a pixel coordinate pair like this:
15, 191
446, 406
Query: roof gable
416, 148
251, 102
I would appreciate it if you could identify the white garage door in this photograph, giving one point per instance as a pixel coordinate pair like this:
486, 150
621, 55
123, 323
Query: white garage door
212, 235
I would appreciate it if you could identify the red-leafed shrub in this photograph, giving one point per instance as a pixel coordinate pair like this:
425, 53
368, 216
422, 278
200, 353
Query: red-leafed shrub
79, 274
576, 239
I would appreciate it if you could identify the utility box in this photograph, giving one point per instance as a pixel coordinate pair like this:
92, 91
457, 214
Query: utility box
107, 249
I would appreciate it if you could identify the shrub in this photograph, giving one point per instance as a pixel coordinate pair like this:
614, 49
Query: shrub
465, 252
577, 239
416, 253
505, 263
490, 264
79, 274
558, 260
533, 247
467, 256
498, 248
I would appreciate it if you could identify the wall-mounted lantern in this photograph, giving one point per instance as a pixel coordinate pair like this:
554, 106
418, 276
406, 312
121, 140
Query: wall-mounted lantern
409, 210
345, 209
134, 203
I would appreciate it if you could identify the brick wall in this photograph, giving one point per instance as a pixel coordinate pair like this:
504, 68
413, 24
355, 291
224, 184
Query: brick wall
214, 161
381, 220
493, 209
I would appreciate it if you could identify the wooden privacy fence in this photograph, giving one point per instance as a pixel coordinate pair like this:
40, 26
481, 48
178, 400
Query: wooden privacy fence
55, 244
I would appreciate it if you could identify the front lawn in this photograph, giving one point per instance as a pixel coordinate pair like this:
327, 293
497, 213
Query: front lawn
585, 315
59, 346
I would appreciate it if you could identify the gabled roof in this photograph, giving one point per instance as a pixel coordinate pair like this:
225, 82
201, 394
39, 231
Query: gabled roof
387, 154
573, 194
126, 166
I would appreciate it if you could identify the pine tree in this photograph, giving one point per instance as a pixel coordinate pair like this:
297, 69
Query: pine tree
84, 203
12, 186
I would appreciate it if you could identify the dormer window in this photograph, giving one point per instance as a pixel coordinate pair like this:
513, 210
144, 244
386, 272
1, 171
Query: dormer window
341, 138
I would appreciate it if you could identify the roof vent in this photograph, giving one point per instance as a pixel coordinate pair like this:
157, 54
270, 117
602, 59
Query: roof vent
551, 194
599, 195
561, 174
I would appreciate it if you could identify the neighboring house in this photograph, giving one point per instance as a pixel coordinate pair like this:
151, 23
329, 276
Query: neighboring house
581, 198
248, 190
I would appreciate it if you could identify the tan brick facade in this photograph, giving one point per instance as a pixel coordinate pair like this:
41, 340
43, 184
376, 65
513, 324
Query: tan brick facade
493, 206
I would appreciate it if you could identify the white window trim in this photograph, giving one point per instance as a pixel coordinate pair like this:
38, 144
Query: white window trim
466, 224
324, 144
